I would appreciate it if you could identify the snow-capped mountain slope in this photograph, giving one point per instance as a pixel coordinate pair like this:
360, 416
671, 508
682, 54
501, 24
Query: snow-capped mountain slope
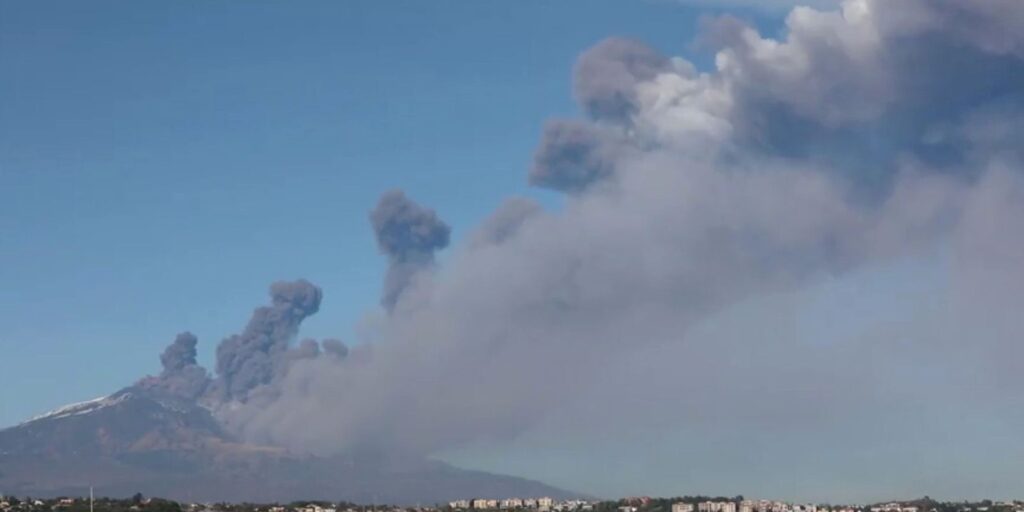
85, 407
131, 420
138, 440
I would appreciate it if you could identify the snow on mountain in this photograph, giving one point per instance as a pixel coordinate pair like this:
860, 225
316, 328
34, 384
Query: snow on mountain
80, 408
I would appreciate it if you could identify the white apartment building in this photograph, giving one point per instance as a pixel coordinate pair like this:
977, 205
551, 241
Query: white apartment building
716, 506
682, 507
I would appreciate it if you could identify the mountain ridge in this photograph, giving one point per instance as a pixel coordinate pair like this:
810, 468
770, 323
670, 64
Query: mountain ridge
139, 440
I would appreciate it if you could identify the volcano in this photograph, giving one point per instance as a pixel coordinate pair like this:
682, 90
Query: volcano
159, 436
138, 440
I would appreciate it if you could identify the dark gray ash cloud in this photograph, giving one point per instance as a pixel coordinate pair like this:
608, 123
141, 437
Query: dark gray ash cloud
250, 364
606, 76
181, 377
409, 235
572, 155
179, 354
253, 358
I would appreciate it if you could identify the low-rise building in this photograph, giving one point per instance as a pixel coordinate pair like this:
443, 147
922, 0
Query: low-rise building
716, 506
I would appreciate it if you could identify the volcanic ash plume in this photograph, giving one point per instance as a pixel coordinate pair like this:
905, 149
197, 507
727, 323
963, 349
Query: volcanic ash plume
182, 377
408, 234
868, 135
260, 353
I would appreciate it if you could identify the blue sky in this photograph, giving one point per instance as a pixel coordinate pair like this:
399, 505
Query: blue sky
161, 164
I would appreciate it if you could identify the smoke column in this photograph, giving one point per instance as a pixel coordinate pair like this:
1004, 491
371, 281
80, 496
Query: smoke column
408, 234
689, 193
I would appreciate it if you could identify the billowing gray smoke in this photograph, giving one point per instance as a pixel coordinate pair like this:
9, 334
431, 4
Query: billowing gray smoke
251, 363
858, 139
334, 348
179, 354
574, 154
881, 132
408, 234
259, 354
607, 76
506, 221
182, 377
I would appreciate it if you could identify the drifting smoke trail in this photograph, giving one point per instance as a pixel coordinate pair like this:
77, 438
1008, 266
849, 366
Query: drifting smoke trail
867, 134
